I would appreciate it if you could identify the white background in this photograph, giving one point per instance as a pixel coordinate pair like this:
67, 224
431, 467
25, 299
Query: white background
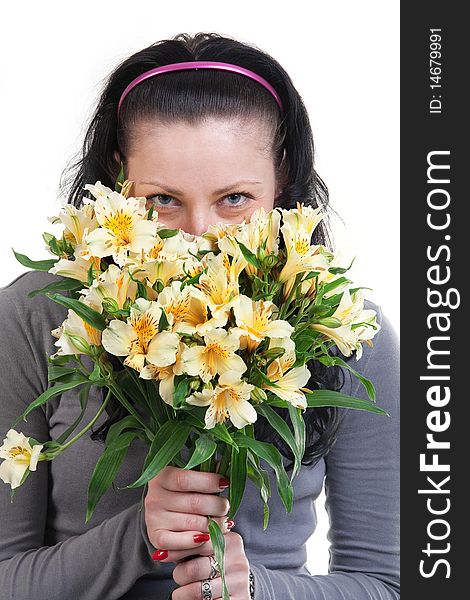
342, 56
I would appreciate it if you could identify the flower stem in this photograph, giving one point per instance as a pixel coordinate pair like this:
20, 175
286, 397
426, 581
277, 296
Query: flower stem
85, 429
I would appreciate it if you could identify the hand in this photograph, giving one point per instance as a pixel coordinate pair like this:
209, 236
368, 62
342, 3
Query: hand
176, 507
189, 574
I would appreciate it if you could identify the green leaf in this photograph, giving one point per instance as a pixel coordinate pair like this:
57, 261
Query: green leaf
84, 393
221, 432
298, 423
205, 448
39, 265
163, 322
341, 270
166, 233
261, 479
120, 179
92, 317
117, 428
74, 380
178, 435
332, 398
181, 392
367, 383
237, 480
279, 425
249, 255
106, 470
329, 287
273, 457
65, 285
218, 543
56, 372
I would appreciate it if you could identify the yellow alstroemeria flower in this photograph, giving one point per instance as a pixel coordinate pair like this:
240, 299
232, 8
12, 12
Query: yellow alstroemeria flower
229, 399
288, 381
261, 232
188, 311
303, 217
139, 339
166, 375
123, 227
75, 269
254, 324
216, 288
347, 312
19, 456
217, 356
176, 247
76, 326
77, 222
113, 283
365, 333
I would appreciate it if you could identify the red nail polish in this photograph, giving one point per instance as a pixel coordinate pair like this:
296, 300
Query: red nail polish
201, 537
230, 523
160, 554
224, 482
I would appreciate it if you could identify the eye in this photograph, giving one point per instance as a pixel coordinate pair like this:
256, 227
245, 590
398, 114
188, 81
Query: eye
237, 199
160, 200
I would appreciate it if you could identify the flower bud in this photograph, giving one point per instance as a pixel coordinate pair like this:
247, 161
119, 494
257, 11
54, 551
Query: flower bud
258, 395
110, 305
80, 343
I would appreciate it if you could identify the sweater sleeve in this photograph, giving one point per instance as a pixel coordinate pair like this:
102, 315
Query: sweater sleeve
103, 562
362, 495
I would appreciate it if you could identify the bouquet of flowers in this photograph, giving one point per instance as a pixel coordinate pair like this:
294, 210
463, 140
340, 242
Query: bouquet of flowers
210, 332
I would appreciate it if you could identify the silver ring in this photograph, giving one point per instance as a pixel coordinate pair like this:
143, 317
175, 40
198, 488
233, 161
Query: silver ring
206, 589
214, 567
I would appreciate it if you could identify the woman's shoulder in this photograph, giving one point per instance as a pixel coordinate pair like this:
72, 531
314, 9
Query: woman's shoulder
26, 282
35, 315
380, 361
385, 344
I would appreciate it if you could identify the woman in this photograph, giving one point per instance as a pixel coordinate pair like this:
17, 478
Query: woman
203, 145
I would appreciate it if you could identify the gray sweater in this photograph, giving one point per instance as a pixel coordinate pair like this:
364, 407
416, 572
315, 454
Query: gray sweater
47, 552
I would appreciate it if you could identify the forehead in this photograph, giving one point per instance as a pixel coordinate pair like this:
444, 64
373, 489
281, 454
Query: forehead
180, 148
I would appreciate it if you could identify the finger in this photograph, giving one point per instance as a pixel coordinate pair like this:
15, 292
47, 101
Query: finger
178, 540
175, 521
194, 590
194, 503
205, 549
187, 480
195, 569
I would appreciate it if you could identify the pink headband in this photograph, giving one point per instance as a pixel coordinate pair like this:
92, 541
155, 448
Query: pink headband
201, 64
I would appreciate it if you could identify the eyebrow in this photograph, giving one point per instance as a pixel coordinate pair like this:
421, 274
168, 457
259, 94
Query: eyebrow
216, 192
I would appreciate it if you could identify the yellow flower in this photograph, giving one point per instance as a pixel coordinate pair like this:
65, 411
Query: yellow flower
347, 312
288, 381
217, 356
166, 375
19, 456
365, 333
303, 217
229, 399
261, 232
188, 312
301, 256
138, 339
123, 227
217, 288
74, 331
254, 324
114, 283
77, 222
75, 269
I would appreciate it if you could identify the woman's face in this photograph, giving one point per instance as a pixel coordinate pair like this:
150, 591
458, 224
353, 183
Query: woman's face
197, 175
